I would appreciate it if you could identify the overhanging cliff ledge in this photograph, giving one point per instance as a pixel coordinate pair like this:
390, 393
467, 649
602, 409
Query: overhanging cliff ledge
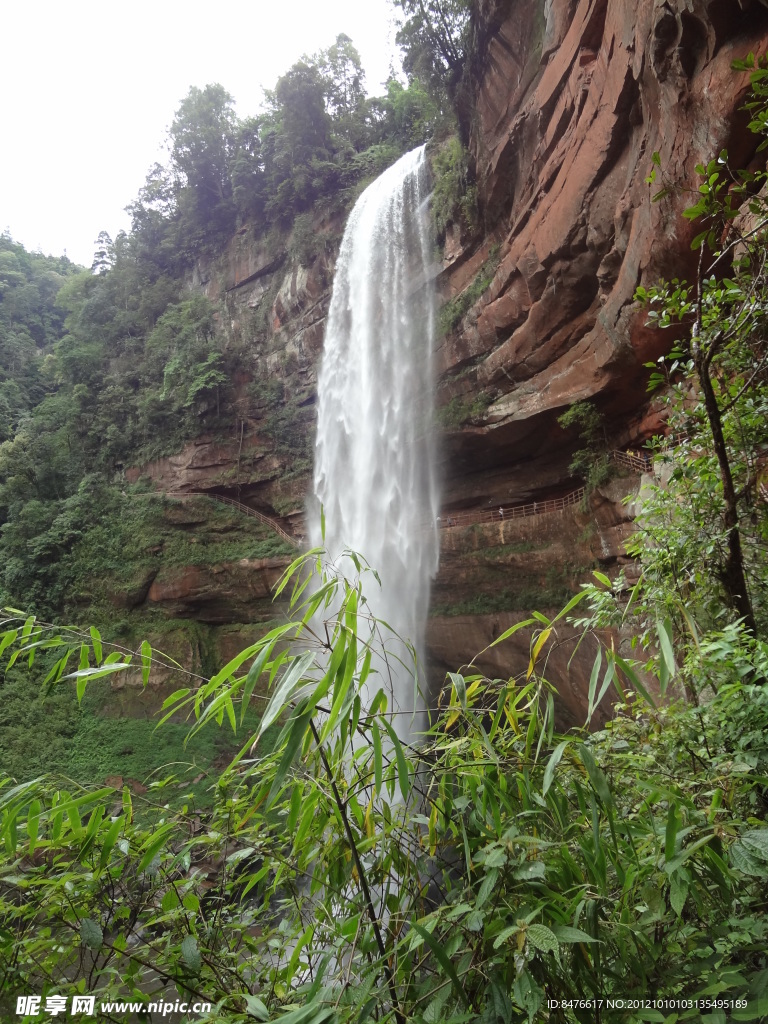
570, 99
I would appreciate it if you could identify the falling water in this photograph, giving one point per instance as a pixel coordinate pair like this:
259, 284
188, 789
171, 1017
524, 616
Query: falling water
374, 464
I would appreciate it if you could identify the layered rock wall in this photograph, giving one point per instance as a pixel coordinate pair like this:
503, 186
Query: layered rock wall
571, 99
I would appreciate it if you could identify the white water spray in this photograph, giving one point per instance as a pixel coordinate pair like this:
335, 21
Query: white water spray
374, 463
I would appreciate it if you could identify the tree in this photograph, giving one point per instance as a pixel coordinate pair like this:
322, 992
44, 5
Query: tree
202, 139
340, 64
434, 37
592, 462
247, 171
720, 357
104, 256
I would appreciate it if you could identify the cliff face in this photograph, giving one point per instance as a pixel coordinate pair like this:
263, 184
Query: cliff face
570, 99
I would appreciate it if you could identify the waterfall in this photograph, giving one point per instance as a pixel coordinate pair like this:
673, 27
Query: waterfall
374, 464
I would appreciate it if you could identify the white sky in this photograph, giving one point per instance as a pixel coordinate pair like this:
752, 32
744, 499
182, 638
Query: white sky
91, 88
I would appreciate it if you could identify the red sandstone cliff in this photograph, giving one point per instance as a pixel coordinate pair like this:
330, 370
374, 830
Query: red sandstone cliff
570, 99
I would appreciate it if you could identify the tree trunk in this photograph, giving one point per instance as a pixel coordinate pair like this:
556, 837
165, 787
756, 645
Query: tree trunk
733, 576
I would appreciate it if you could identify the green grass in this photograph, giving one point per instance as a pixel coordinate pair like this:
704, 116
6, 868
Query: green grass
56, 735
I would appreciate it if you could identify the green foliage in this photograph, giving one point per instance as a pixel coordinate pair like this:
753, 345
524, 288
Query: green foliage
592, 462
51, 725
319, 137
202, 141
711, 550
472, 872
472, 877
183, 351
291, 428
434, 36
31, 321
408, 112
113, 368
454, 199
103, 545
454, 311
306, 243
119, 366
459, 410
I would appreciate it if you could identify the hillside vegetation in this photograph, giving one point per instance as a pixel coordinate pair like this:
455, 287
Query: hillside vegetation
338, 867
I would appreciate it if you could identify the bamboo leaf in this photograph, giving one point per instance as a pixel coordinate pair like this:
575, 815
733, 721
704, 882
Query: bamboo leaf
565, 933
298, 731
633, 677
98, 672
284, 691
154, 845
378, 765
443, 960
576, 599
33, 823
233, 665
7, 639
540, 641
110, 839
596, 776
146, 661
96, 641
670, 836
460, 686
402, 765
254, 674
593, 682
664, 630
549, 771
510, 632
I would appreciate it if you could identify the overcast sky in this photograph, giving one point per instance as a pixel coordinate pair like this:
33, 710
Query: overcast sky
91, 89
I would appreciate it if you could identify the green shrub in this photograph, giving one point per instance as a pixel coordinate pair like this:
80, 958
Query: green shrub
454, 198
619, 863
454, 311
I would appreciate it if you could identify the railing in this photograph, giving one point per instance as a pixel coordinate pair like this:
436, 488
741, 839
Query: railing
637, 461
641, 462
245, 509
501, 514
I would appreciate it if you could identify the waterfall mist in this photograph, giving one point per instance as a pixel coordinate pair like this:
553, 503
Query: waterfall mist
374, 462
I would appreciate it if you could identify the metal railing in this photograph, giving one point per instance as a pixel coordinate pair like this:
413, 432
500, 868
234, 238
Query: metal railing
501, 514
639, 462
245, 509
636, 461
